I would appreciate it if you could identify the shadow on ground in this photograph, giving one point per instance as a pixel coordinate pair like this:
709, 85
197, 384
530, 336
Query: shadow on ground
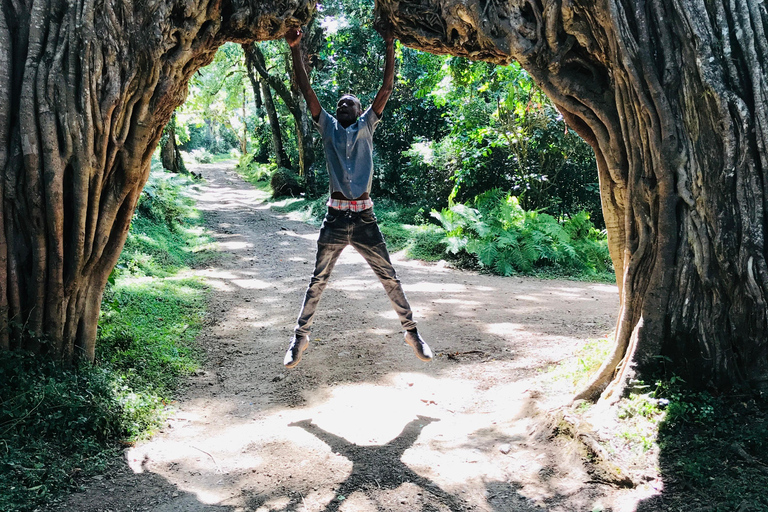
714, 456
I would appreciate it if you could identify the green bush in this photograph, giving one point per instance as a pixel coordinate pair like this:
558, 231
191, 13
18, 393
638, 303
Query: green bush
202, 156
254, 171
164, 199
427, 243
506, 239
285, 182
55, 424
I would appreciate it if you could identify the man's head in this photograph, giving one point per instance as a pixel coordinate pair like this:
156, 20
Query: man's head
348, 109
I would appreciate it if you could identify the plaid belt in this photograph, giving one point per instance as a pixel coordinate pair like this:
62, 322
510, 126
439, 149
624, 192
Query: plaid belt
352, 206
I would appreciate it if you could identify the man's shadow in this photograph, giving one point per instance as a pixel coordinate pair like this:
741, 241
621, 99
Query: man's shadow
379, 466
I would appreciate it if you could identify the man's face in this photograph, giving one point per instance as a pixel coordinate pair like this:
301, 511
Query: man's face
348, 109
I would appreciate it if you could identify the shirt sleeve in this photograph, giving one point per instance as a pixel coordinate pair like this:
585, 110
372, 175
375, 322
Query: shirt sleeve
370, 119
324, 122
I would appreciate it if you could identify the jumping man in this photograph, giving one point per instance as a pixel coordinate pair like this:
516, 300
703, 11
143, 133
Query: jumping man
348, 145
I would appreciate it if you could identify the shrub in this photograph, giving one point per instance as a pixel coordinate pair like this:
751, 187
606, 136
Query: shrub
164, 200
427, 243
507, 239
253, 170
285, 182
202, 156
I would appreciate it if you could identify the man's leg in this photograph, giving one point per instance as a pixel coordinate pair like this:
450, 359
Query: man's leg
367, 239
327, 255
377, 257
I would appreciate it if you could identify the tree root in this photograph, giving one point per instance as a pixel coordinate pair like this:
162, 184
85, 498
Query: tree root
598, 462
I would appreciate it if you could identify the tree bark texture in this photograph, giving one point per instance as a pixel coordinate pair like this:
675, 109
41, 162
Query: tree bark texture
673, 97
85, 90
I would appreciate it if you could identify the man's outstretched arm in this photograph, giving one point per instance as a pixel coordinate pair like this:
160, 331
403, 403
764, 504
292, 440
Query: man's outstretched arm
380, 101
293, 38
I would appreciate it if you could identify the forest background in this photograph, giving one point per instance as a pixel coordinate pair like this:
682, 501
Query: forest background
472, 161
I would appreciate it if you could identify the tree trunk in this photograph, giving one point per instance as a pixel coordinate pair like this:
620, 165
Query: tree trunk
281, 157
673, 97
170, 155
254, 60
244, 140
85, 90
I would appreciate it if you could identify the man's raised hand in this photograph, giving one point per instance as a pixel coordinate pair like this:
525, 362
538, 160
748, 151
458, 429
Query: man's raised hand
385, 30
293, 37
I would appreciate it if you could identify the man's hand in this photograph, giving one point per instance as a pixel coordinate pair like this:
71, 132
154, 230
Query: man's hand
385, 29
293, 37
388, 35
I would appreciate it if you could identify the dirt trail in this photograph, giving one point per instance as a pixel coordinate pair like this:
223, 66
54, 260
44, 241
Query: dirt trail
361, 424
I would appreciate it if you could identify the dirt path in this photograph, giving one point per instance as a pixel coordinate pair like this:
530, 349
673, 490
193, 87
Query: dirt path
361, 424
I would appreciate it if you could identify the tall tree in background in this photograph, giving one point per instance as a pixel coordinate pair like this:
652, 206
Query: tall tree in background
218, 97
256, 63
170, 156
281, 157
85, 90
673, 98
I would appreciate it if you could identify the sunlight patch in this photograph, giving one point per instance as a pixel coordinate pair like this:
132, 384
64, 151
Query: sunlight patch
251, 284
504, 328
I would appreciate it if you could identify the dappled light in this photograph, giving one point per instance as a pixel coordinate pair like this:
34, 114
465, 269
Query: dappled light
360, 411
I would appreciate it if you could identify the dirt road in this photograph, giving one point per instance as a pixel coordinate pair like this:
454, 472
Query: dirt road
361, 424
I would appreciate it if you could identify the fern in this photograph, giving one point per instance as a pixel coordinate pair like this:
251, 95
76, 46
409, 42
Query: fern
506, 239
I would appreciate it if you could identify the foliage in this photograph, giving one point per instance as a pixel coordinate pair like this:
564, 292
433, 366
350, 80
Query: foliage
55, 424
712, 447
285, 182
507, 239
216, 114
254, 171
202, 156
58, 425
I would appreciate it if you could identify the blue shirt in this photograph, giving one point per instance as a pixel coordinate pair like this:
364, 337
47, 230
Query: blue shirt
349, 152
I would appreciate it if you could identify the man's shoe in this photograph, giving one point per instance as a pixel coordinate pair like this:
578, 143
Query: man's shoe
293, 355
419, 346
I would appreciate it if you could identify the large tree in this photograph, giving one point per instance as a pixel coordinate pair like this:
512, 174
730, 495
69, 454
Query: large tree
85, 89
672, 95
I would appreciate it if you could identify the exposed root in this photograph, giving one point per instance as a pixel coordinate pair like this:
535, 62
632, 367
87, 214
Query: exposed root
598, 462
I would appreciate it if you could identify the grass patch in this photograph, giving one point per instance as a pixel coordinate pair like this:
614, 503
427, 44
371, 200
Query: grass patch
574, 373
713, 450
58, 425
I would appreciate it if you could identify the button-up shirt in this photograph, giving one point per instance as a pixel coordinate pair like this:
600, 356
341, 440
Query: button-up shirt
349, 152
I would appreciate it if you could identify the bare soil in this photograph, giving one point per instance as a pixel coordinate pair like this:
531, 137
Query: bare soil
361, 424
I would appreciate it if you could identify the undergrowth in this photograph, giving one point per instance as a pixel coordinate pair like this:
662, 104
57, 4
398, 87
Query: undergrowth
493, 233
508, 240
58, 425
710, 451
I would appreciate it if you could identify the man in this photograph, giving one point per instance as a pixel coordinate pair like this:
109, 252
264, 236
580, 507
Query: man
348, 145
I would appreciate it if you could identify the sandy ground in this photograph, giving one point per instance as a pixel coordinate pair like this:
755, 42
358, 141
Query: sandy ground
361, 424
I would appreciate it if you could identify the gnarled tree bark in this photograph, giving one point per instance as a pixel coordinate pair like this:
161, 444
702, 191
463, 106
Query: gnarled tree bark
85, 90
673, 97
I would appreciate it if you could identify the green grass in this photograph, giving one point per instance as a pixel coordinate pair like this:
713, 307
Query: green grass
575, 372
59, 425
